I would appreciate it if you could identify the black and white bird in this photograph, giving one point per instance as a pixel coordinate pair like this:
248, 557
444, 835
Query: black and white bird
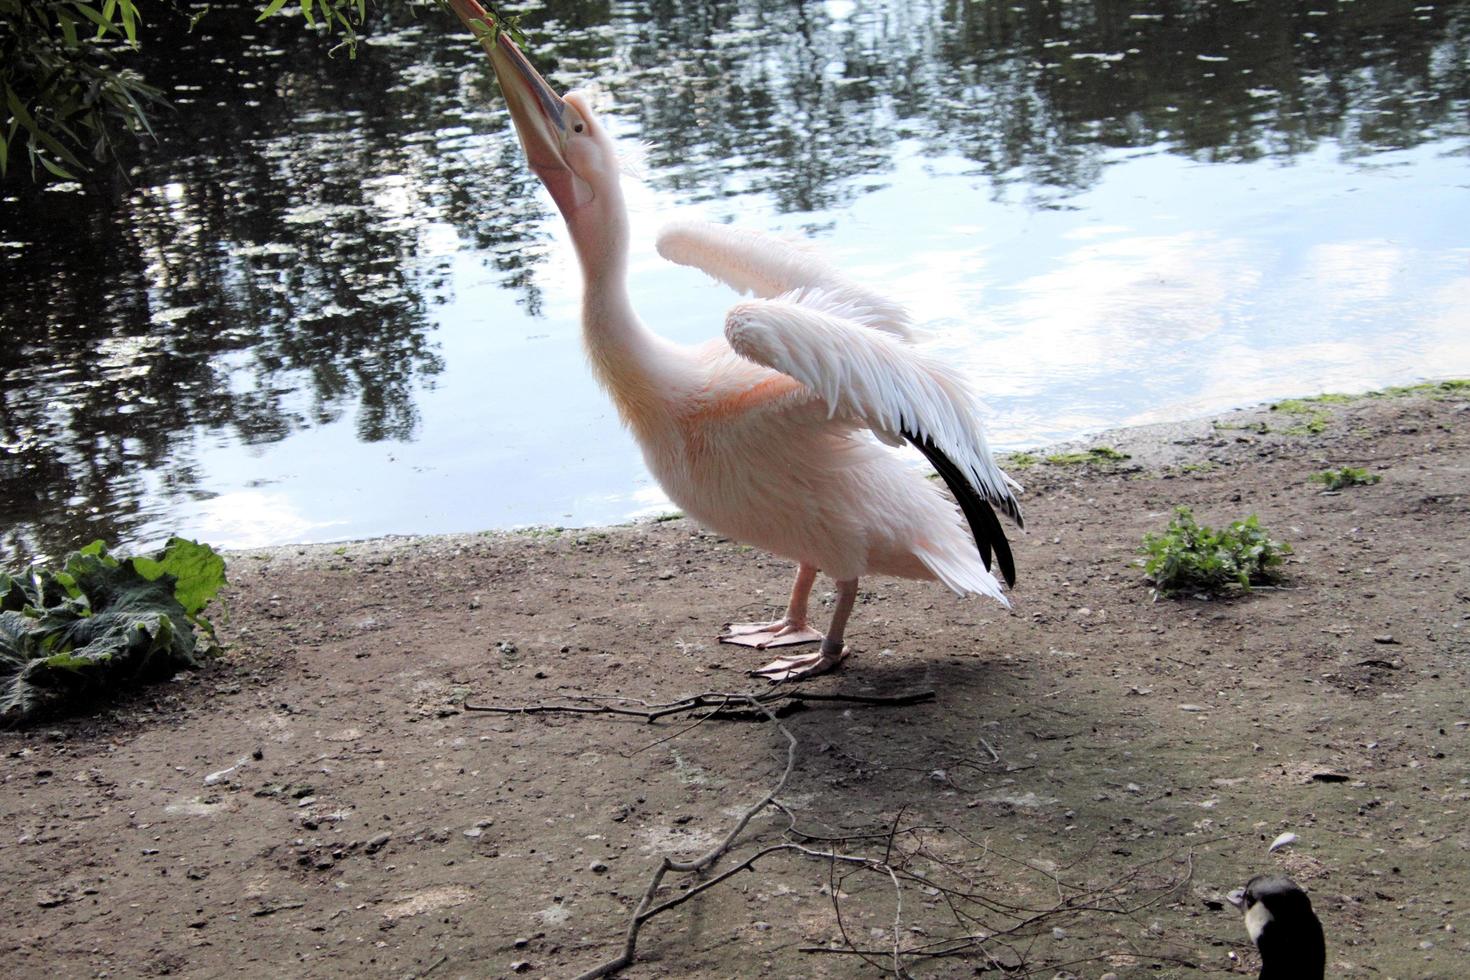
1280, 920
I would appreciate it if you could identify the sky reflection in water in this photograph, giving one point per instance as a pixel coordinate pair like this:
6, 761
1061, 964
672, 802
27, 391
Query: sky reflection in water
348, 310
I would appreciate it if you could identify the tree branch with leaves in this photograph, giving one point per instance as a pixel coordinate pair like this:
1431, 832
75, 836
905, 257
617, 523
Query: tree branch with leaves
65, 90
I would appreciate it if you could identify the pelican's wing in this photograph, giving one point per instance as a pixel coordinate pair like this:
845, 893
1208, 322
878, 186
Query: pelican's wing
823, 341
768, 266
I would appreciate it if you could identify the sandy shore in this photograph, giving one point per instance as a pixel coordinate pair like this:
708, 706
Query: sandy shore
1094, 770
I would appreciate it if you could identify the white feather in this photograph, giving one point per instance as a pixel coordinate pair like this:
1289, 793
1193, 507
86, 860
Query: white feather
767, 266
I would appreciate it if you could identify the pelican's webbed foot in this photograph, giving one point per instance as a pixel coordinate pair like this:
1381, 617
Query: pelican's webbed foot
780, 633
799, 666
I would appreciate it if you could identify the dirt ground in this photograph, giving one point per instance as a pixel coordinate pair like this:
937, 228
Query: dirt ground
1094, 771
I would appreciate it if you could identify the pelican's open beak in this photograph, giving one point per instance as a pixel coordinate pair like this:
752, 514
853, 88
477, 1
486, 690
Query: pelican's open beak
540, 115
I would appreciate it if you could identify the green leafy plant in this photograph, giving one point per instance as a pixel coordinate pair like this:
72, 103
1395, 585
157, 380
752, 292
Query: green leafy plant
1348, 476
96, 622
1191, 556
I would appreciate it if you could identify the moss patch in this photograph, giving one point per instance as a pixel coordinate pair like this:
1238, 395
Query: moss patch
1097, 456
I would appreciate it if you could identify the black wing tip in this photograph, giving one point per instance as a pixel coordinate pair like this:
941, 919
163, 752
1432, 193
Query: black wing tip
984, 525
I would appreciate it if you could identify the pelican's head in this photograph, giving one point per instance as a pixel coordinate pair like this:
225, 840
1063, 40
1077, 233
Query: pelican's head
564, 143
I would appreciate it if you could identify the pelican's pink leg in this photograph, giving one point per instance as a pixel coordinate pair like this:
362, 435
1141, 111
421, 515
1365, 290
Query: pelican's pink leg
790, 629
832, 652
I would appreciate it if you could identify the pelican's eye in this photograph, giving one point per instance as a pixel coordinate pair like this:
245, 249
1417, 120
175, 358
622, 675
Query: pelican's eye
578, 128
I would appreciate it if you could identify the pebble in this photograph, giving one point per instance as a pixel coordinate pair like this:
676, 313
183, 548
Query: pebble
377, 842
597, 867
1190, 707
1285, 840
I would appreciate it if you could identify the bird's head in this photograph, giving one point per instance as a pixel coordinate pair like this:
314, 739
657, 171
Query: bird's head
1280, 920
566, 146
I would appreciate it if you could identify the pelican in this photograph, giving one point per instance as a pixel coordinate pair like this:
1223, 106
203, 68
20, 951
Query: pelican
781, 434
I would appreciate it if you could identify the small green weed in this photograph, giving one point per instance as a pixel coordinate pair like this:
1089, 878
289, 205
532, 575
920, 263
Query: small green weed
1435, 389
673, 515
1348, 476
1097, 455
1316, 420
1190, 556
1304, 406
1019, 461
1314, 425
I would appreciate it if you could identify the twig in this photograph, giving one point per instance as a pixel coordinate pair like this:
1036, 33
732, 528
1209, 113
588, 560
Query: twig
723, 703
898, 970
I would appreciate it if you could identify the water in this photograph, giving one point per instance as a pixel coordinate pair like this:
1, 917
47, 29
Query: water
332, 302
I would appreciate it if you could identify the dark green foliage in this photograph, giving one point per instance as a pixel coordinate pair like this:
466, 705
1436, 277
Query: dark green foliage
98, 621
1348, 476
1190, 556
335, 17
64, 93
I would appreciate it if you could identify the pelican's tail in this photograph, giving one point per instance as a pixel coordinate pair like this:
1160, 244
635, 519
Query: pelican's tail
964, 573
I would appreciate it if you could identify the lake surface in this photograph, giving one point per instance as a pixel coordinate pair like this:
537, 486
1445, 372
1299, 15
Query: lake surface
331, 302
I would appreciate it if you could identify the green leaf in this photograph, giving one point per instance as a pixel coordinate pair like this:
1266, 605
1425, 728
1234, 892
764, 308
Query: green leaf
271, 9
68, 27
105, 25
56, 168
197, 569
130, 20
18, 110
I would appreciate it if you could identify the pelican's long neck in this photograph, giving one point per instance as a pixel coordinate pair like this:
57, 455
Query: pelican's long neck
629, 360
